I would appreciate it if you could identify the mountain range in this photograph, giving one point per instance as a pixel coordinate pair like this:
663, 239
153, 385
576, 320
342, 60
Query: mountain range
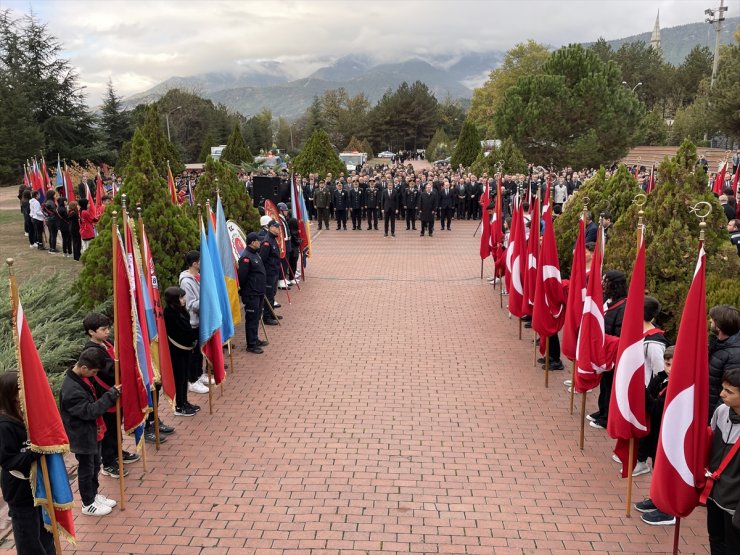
268, 84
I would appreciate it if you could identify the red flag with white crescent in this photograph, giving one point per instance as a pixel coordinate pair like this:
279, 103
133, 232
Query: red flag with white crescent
515, 255
679, 473
719, 180
530, 265
548, 312
576, 295
485, 236
627, 418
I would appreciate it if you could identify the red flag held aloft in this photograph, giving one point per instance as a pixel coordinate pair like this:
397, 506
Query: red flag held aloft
533, 247
680, 461
497, 233
719, 180
515, 257
99, 193
171, 186
576, 295
627, 418
485, 236
548, 312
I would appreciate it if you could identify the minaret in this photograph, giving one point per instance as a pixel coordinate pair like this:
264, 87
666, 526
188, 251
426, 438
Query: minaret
655, 39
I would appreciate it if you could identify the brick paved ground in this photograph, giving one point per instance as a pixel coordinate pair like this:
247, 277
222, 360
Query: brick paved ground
377, 421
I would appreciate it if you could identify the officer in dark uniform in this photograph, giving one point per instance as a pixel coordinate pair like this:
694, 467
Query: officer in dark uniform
270, 254
340, 198
252, 281
410, 197
356, 204
372, 201
446, 205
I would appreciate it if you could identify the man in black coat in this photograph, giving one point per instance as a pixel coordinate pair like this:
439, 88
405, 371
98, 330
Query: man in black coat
372, 202
308, 190
252, 282
270, 255
724, 348
427, 206
356, 204
389, 205
471, 189
460, 200
340, 199
410, 198
446, 204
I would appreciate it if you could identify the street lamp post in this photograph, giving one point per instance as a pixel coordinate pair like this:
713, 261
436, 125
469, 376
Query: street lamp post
633, 88
167, 119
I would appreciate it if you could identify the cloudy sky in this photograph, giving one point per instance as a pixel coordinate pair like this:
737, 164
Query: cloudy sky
141, 43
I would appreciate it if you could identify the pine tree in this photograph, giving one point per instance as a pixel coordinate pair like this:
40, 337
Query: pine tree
511, 158
237, 203
614, 195
439, 146
205, 150
367, 148
161, 149
20, 135
170, 231
467, 147
671, 239
354, 145
318, 156
115, 122
236, 150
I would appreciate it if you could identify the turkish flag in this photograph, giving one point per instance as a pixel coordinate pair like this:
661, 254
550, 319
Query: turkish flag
533, 249
171, 186
627, 418
719, 180
497, 233
515, 256
591, 356
680, 462
576, 295
548, 312
485, 236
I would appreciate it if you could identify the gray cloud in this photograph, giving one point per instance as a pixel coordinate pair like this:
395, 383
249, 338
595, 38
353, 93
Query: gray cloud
141, 43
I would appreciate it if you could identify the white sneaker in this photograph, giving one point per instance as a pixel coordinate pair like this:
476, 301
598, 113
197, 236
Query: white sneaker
204, 380
101, 499
198, 387
292, 282
96, 509
568, 383
616, 459
640, 469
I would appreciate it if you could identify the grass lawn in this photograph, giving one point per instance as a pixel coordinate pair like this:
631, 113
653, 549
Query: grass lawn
30, 262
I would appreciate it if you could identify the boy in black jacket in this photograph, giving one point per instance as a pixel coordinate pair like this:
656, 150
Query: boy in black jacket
82, 415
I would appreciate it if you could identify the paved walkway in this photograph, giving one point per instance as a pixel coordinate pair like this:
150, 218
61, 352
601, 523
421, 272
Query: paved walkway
395, 410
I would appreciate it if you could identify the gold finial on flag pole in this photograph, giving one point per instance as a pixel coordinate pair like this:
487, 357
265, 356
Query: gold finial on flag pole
702, 217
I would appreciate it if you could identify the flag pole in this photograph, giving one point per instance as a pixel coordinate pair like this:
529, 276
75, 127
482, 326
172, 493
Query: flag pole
676, 535
481, 268
534, 344
287, 287
629, 476
264, 328
272, 311
44, 469
520, 329
583, 418
547, 362
116, 361
155, 397
572, 387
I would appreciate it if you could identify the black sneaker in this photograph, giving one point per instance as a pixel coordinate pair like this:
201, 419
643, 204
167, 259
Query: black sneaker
646, 506
196, 408
150, 437
130, 457
555, 365
112, 471
262, 343
658, 518
541, 360
255, 350
184, 411
270, 322
165, 429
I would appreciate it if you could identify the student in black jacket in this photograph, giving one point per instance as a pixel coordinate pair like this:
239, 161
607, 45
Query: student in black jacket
31, 538
182, 339
82, 415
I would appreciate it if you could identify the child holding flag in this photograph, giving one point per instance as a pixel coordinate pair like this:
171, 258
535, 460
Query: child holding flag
82, 414
31, 538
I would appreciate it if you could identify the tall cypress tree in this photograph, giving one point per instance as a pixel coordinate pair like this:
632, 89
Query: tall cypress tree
114, 120
467, 147
171, 233
236, 150
160, 148
318, 156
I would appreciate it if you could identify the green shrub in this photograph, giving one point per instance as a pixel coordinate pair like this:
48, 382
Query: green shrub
318, 156
467, 147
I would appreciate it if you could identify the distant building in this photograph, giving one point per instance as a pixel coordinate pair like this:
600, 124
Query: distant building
655, 38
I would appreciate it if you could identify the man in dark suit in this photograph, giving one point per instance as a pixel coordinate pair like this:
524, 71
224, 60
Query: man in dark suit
356, 203
341, 202
592, 230
460, 200
410, 197
372, 201
308, 190
446, 203
427, 206
389, 206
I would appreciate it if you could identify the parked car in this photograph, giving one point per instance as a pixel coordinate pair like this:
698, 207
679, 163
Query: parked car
386, 154
444, 162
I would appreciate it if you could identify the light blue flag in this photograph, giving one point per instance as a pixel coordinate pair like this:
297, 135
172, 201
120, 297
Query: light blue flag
59, 178
227, 325
211, 318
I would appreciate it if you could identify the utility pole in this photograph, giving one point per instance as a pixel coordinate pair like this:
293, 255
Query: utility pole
715, 18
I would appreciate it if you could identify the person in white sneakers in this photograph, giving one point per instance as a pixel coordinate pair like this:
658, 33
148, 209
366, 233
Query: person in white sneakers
82, 415
190, 283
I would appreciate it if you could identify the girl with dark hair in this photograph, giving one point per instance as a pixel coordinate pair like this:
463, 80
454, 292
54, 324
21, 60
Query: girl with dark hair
182, 340
31, 538
37, 219
63, 223
88, 219
50, 217
73, 215
27, 222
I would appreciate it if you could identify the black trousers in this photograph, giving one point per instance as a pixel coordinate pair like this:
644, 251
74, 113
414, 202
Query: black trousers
196, 363
270, 290
38, 232
76, 245
252, 315
155, 394
28, 228
389, 216
429, 225
53, 228
460, 209
341, 217
356, 218
87, 476
323, 216
66, 240
372, 218
181, 364
553, 347
410, 219
724, 538
31, 538
293, 261
109, 443
605, 394
445, 216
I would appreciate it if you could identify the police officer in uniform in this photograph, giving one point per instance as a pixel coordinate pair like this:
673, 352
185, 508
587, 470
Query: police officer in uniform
372, 201
356, 204
321, 201
410, 198
340, 198
270, 254
252, 281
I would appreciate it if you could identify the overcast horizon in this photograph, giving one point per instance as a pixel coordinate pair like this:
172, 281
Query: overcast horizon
149, 42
